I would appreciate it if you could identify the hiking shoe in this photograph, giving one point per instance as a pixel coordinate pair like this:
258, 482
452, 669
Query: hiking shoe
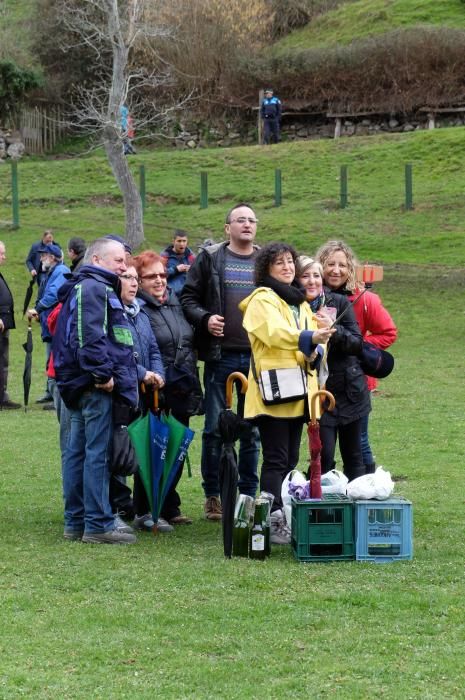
180, 520
9, 405
143, 522
110, 537
48, 407
121, 526
46, 398
164, 526
212, 508
280, 533
73, 535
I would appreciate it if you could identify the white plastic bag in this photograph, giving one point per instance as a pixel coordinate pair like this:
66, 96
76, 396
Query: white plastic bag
378, 486
295, 477
334, 482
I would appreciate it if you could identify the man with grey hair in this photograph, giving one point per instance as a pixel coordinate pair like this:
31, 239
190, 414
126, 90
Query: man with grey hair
94, 365
7, 322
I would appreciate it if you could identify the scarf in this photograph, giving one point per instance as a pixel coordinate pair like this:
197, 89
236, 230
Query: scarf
317, 302
293, 294
132, 309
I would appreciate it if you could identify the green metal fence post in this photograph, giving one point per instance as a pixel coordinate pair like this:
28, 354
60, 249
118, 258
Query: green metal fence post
408, 187
142, 186
14, 193
277, 188
344, 196
203, 190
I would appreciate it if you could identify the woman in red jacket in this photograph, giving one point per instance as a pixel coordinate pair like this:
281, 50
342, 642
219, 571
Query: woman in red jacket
377, 327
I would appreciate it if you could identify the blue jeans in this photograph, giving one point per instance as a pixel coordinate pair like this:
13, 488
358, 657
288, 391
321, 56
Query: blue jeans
367, 454
215, 376
86, 475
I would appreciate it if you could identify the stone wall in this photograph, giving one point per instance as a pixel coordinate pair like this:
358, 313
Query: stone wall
296, 127
11, 145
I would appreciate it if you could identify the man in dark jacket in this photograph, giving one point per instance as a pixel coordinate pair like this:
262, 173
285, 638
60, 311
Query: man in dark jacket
221, 276
270, 112
7, 322
94, 365
178, 259
76, 250
33, 257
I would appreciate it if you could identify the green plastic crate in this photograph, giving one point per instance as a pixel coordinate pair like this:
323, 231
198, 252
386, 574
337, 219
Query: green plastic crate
323, 530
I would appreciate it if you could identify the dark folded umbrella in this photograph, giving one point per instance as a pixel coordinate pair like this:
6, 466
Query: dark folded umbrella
28, 296
28, 347
314, 472
229, 426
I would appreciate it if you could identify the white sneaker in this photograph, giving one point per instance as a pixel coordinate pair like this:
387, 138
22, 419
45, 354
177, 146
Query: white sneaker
280, 533
164, 526
121, 526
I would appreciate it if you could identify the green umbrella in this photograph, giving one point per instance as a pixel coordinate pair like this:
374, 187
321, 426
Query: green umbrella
139, 432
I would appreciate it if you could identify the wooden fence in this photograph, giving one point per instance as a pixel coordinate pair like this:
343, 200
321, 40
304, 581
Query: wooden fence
41, 128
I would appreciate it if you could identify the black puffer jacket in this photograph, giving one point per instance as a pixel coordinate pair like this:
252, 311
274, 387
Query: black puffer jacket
174, 336
346, 379
7, 314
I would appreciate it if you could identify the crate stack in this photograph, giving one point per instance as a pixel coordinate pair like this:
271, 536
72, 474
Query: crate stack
338, 528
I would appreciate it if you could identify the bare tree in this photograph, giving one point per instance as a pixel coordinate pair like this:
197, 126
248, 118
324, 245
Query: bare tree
113, 31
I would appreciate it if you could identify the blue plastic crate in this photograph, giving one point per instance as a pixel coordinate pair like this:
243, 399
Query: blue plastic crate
383, 530
323, 530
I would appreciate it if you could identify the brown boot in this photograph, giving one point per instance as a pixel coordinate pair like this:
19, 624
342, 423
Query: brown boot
212, 508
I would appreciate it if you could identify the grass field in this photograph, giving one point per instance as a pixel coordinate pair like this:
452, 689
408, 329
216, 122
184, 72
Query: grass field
169, 617
367, 18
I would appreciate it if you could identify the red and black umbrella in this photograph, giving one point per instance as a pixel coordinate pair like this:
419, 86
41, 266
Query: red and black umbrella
314, 472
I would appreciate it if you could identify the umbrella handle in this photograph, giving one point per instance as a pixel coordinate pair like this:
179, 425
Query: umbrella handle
229, 386
155, 395
317, 395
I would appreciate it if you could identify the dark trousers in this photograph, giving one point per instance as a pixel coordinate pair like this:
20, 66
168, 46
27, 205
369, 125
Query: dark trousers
4, 357
349, 444
280, 438
271, 132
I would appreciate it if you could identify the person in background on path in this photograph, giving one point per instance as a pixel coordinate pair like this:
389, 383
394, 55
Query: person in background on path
33, 258
94, 364
51, 261
76, 250
376, 325
220, 278
127, 130
178, 259
270, 112
283, 333
7, 323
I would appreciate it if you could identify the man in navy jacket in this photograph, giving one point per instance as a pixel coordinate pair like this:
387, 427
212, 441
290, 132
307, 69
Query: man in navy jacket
94, 364
178, 259
270, 112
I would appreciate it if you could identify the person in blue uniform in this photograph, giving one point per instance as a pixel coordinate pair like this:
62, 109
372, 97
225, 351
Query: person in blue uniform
270, 112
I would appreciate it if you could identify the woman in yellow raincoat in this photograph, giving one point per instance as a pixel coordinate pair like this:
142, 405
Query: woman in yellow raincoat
283, 333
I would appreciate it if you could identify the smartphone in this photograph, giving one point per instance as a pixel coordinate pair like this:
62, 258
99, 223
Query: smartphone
369, 273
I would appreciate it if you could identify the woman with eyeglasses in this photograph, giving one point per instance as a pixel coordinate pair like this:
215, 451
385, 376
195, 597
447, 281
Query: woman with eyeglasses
283, 334
150, 372
182, 394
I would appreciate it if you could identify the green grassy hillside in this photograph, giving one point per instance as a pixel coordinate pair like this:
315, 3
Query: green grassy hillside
78, 196
357, 20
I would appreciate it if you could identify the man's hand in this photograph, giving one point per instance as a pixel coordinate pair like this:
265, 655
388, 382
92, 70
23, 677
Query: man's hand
2, 326
32, 313
216, 325
108, 386
183, 268
33, 273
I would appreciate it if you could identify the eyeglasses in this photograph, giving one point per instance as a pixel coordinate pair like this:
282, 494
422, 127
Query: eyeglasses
243, 219
154, 276
129, 277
